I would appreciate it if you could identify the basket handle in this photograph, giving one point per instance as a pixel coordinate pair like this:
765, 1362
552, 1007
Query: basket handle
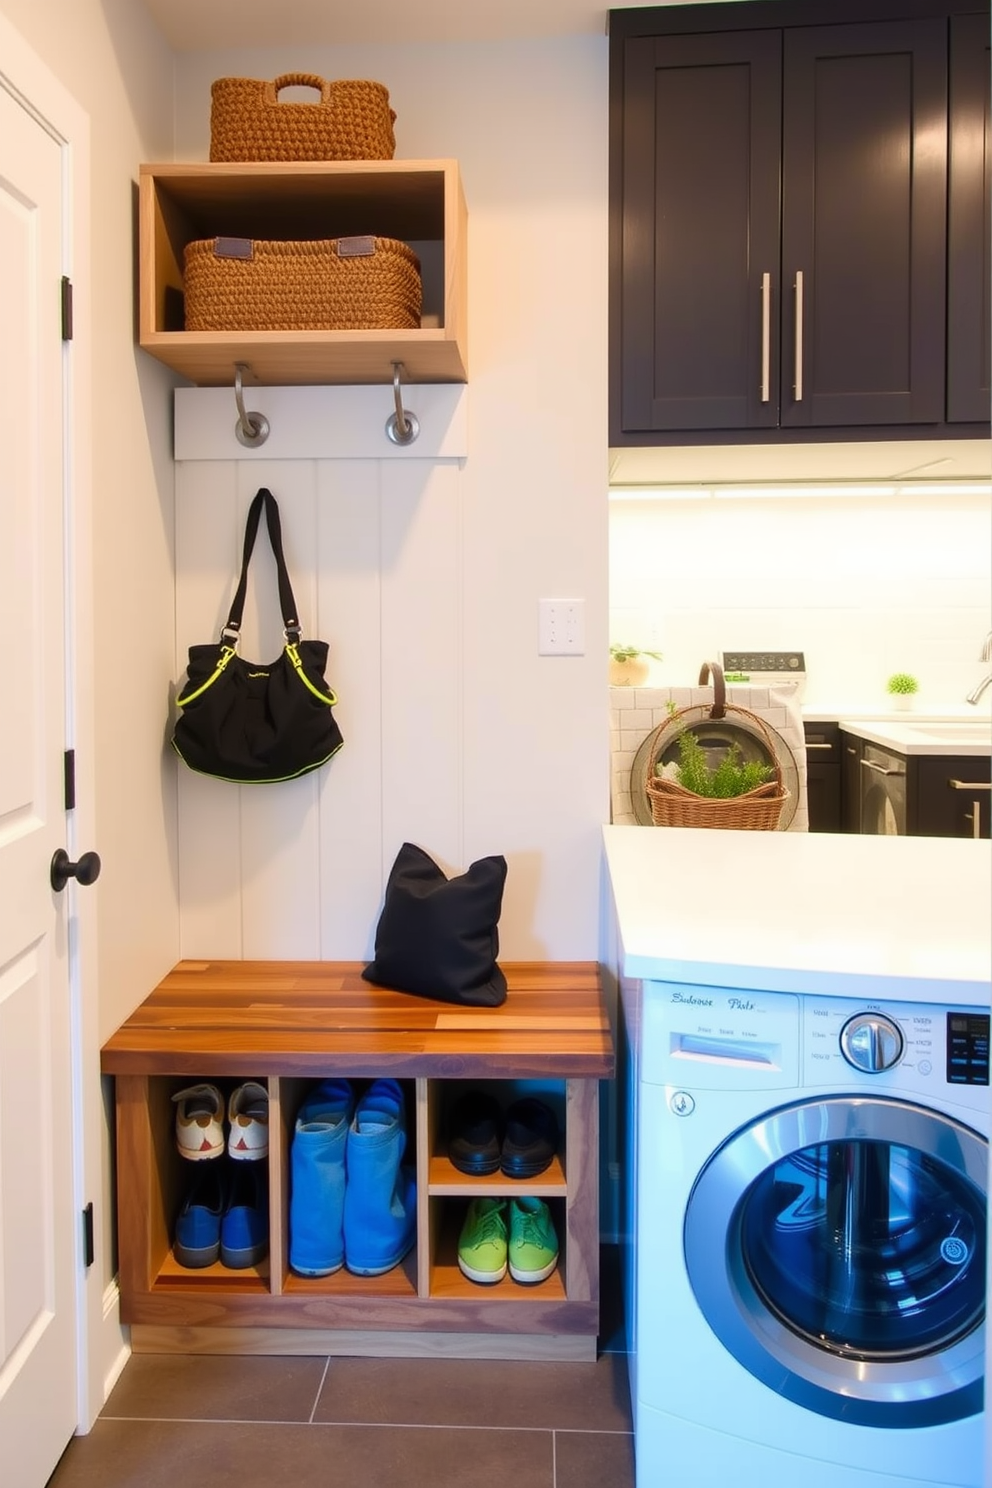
300, 80
719, 708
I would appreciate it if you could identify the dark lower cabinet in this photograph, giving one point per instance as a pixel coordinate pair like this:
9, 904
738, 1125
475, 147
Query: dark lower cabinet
949, 797
851, 749
823, 777
946, 796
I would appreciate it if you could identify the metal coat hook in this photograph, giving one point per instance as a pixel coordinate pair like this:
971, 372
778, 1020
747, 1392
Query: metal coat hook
402, 427
252, 429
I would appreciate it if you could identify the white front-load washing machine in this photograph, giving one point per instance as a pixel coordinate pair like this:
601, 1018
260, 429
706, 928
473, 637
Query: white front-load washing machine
806, 1259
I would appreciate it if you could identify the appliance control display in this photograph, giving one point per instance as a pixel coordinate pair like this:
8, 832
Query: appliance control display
789, 662
968, 1048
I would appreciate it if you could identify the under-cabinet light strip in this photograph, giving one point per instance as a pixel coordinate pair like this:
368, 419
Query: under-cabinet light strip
803, 491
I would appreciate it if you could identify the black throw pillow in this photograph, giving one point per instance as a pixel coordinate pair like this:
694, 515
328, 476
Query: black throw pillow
436, 936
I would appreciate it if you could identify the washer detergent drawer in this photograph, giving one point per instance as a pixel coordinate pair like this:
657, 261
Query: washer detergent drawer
719, 1038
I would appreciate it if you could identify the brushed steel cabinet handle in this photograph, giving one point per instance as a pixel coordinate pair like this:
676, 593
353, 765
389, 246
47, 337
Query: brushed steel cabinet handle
975, 814
799, 336
820, 746
766, 336
881, 769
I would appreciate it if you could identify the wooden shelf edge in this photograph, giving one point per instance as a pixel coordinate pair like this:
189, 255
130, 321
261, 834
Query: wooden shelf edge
309, 358
277, 169
398, 1344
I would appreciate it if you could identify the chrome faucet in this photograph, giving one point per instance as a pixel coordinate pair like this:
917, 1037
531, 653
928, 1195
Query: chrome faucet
977, 691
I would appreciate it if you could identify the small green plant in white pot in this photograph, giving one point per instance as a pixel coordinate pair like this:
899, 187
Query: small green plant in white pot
628, 667
901, 687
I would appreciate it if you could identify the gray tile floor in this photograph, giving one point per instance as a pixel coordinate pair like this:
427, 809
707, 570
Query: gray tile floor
177, 1420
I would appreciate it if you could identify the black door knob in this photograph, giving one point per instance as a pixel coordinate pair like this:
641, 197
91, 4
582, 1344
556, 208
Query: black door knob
85, 872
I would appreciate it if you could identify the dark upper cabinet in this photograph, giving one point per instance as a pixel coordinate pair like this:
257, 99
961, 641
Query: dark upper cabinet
779, 210
702, 132
863, 240
969, 263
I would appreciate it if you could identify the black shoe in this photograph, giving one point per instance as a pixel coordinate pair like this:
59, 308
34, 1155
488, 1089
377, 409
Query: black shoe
530, 1140
474, 1134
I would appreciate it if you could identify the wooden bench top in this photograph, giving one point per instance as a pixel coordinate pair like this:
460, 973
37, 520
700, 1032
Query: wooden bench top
314, 1017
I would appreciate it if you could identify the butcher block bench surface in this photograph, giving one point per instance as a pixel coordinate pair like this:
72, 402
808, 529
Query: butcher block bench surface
304, 1017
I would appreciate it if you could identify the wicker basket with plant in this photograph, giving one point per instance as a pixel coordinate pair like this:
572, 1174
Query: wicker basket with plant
734, 792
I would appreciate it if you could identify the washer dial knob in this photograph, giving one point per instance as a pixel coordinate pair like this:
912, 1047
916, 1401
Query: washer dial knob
871, 1042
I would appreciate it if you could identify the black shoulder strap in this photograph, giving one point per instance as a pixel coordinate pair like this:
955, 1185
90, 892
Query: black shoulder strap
264, 498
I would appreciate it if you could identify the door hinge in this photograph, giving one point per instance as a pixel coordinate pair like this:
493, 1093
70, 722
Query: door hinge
69, 779
66, 308
88, 1255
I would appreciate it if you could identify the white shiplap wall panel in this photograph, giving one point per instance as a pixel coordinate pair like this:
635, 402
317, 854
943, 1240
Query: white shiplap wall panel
279, 828
334, 423
373, 547
209, 820
348, 542
422, 661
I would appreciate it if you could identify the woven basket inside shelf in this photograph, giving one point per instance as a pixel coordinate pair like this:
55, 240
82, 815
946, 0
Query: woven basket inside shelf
672, 805
351, 120
338, 284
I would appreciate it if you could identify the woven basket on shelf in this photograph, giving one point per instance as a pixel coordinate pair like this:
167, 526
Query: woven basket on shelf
337, 284
672, 805
351, 120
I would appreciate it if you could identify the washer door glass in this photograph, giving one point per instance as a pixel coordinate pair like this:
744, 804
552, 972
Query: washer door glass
870, 1249
837, 1249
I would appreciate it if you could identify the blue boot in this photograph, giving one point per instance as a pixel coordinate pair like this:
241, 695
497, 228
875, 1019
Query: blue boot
380, 1202
317, 1179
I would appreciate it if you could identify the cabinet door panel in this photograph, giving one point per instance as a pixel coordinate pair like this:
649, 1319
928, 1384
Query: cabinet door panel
952, 797
700, 230
864, 181
969, 267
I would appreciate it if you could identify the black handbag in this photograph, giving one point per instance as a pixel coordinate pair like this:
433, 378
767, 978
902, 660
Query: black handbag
252, 723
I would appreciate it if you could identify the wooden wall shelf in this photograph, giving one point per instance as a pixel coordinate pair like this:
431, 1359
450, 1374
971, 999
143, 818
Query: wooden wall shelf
290, 1024
419, 202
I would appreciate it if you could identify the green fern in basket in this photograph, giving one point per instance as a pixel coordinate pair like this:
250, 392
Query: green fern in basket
733, 776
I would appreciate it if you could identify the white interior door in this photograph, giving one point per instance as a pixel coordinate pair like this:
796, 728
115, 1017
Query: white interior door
38, 1226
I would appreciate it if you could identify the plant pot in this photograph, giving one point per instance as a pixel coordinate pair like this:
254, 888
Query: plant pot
633, 673
902, 701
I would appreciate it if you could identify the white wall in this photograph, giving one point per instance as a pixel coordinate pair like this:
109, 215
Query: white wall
457, 735
865, 584
112, 60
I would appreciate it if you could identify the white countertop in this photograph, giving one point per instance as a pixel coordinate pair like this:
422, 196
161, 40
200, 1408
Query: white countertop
900, 918
909, 735
905, 731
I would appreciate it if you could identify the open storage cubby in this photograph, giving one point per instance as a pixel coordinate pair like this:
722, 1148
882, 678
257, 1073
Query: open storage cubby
419, 202
291, 1024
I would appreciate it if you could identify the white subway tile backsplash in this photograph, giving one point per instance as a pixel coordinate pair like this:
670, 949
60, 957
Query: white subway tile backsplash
864, 585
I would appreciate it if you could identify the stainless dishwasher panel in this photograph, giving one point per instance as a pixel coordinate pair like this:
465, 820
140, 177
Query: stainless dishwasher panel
883, 793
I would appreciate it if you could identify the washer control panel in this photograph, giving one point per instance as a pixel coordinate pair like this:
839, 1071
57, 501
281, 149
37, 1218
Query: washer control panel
871, 1042
912, 1049
758, 664
967, 1048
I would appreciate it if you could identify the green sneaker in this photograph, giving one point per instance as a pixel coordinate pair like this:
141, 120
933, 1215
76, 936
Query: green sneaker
533, 1250
482, 1242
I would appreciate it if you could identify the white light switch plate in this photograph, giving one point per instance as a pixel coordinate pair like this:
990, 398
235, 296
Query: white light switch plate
561, 627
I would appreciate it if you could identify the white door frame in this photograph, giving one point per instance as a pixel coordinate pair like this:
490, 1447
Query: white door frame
24, 75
